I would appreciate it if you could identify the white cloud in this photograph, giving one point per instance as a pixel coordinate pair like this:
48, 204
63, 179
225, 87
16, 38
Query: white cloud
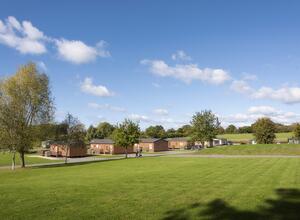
88, 87
181, 55
78, 52
255, 112
27, 39
288, 95
23, 37
187, 73
161, 111
264, 110
107, 106
240, 86
139, 118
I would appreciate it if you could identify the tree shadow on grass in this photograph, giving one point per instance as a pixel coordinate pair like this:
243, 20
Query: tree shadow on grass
285, 207
62, 164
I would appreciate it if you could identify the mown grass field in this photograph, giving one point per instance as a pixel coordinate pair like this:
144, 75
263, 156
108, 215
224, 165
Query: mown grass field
155, 188
6, 159
255, 149
280, 137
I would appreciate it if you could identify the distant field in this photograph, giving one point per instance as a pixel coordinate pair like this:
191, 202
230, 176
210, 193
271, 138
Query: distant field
6, 159
280, 137
157, 188
256, 149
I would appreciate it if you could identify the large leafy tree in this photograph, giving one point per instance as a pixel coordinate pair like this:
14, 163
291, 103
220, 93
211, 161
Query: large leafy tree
184, 131
25, 101
126, 134
205, 126
91, 133
264, 131
231, 129
157, 131
104, 130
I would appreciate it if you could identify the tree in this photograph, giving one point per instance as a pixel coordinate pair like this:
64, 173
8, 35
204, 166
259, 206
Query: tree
297, 131
104, 130
245, 129
74, 134
171, 133
126, 134
25, 101
264, 131
184, 131
91, 133
205, 126
231, 129
157, 131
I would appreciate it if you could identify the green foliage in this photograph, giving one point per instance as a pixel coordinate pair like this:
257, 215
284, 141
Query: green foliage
171, 133
25, 101
231, 129
75, 131
157, 131
245, 129
205, 126
184, 131
297, 131
104, 130
126, 134
264, 131
91, 133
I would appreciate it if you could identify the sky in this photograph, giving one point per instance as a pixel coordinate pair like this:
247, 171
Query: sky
159, 62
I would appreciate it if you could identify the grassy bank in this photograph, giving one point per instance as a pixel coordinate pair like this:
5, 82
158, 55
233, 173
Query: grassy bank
256, 149
280, 137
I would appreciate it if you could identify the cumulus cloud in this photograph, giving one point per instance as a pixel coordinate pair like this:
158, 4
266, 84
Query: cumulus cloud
287, 95
27, 39
88, 87
180, 55
240, 86
255, 112
139, 118
187, 73
107, 106
78, 52
249, 77
160, 111
23, 37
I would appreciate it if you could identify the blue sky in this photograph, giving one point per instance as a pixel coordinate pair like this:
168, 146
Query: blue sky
158, 62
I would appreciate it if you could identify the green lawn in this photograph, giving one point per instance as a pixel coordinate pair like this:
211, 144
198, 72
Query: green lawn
155, 188
6, 159
255, 149
280, 137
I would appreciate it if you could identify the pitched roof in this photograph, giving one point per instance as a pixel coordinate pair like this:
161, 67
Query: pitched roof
177, 139
149, 140
102, 141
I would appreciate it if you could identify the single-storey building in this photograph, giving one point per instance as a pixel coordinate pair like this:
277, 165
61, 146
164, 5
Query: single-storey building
64, 150
152, 145
107, 146
294, 140
213, 143
179, 143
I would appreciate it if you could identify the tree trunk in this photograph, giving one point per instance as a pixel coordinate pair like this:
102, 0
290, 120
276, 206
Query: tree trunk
13, 165
22, 155
66, 157
203, 144
126, 152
